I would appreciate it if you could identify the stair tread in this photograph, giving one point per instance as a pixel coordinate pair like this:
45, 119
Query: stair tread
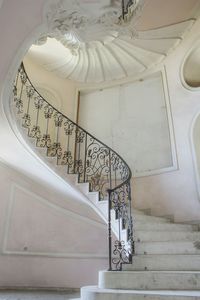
163, 255
153, 271
144, 292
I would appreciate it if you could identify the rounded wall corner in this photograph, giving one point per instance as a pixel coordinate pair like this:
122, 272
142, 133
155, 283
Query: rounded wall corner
181, 70
193, 152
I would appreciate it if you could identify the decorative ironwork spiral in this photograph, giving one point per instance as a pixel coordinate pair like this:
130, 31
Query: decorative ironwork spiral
81, 153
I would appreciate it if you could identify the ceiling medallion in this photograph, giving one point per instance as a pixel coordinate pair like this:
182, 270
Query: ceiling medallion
83, 23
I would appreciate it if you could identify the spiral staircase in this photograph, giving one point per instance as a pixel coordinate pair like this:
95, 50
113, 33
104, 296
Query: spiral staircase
156, 260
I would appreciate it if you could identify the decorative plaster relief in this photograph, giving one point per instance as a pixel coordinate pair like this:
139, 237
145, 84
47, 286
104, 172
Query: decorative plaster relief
78, 23
108, 56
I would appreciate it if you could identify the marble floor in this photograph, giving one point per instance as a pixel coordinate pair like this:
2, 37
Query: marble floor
38, 295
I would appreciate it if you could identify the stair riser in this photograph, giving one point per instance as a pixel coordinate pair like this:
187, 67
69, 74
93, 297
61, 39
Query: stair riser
143, 219
150, 280
166, 248
164, 227
165, 263
83, 187
119, 295
149, 219
155, 236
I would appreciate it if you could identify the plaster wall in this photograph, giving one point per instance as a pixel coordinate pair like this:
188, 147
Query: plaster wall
44, 236
62, 92
176, 192
135, 123
173, 192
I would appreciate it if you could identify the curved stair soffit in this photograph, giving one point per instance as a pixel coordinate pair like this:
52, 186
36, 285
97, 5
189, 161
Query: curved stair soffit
116, 57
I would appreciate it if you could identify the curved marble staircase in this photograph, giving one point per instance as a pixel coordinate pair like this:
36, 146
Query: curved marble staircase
166, 265
166, 262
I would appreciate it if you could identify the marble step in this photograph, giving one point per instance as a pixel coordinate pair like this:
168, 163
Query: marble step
150, 219
150, 280
154, 236
171, 247
83, 187
164, 262
138, 212
164, 227
95, 293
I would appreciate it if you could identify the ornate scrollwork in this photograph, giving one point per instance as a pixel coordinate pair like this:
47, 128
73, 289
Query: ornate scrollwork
38, 102
35, 132
18, 104
23, 76
48, 111
69, 127
80, 135
67, 159
26, 120
78, 166
55, 150
45, 141
121, 255
30, 91
58, 119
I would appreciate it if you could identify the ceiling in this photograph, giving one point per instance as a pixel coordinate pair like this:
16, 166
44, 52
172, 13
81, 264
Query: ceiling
99, 53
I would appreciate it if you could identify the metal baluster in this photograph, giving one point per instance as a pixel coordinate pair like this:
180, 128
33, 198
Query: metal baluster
35, 131
109, 230
18, 101
27, 117
85, 159
68, 143
92, 160
110, 171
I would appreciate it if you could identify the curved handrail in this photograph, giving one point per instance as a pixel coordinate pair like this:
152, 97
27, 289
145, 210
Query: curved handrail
85, 155
130, 172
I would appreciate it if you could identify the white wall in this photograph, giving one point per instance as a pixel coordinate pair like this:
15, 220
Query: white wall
132, 119
62, 91
176, 192
46, 239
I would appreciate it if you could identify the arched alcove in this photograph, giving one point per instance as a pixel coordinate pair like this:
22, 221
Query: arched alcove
191, 68
195, 139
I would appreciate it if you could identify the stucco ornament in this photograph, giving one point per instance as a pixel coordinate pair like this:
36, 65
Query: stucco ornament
83, 23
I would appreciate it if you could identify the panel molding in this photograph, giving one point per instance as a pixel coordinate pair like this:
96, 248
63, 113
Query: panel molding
166, 94
77, 255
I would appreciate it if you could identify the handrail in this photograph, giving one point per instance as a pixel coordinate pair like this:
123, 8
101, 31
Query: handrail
82, 154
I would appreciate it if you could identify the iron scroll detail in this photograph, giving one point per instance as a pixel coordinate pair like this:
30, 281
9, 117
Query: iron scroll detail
81, 153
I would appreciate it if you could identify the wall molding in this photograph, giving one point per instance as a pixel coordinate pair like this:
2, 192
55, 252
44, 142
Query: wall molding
67, 213
166, 94
193, 151
181, 72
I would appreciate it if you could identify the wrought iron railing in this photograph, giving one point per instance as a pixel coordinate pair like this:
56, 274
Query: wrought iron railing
82, 154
